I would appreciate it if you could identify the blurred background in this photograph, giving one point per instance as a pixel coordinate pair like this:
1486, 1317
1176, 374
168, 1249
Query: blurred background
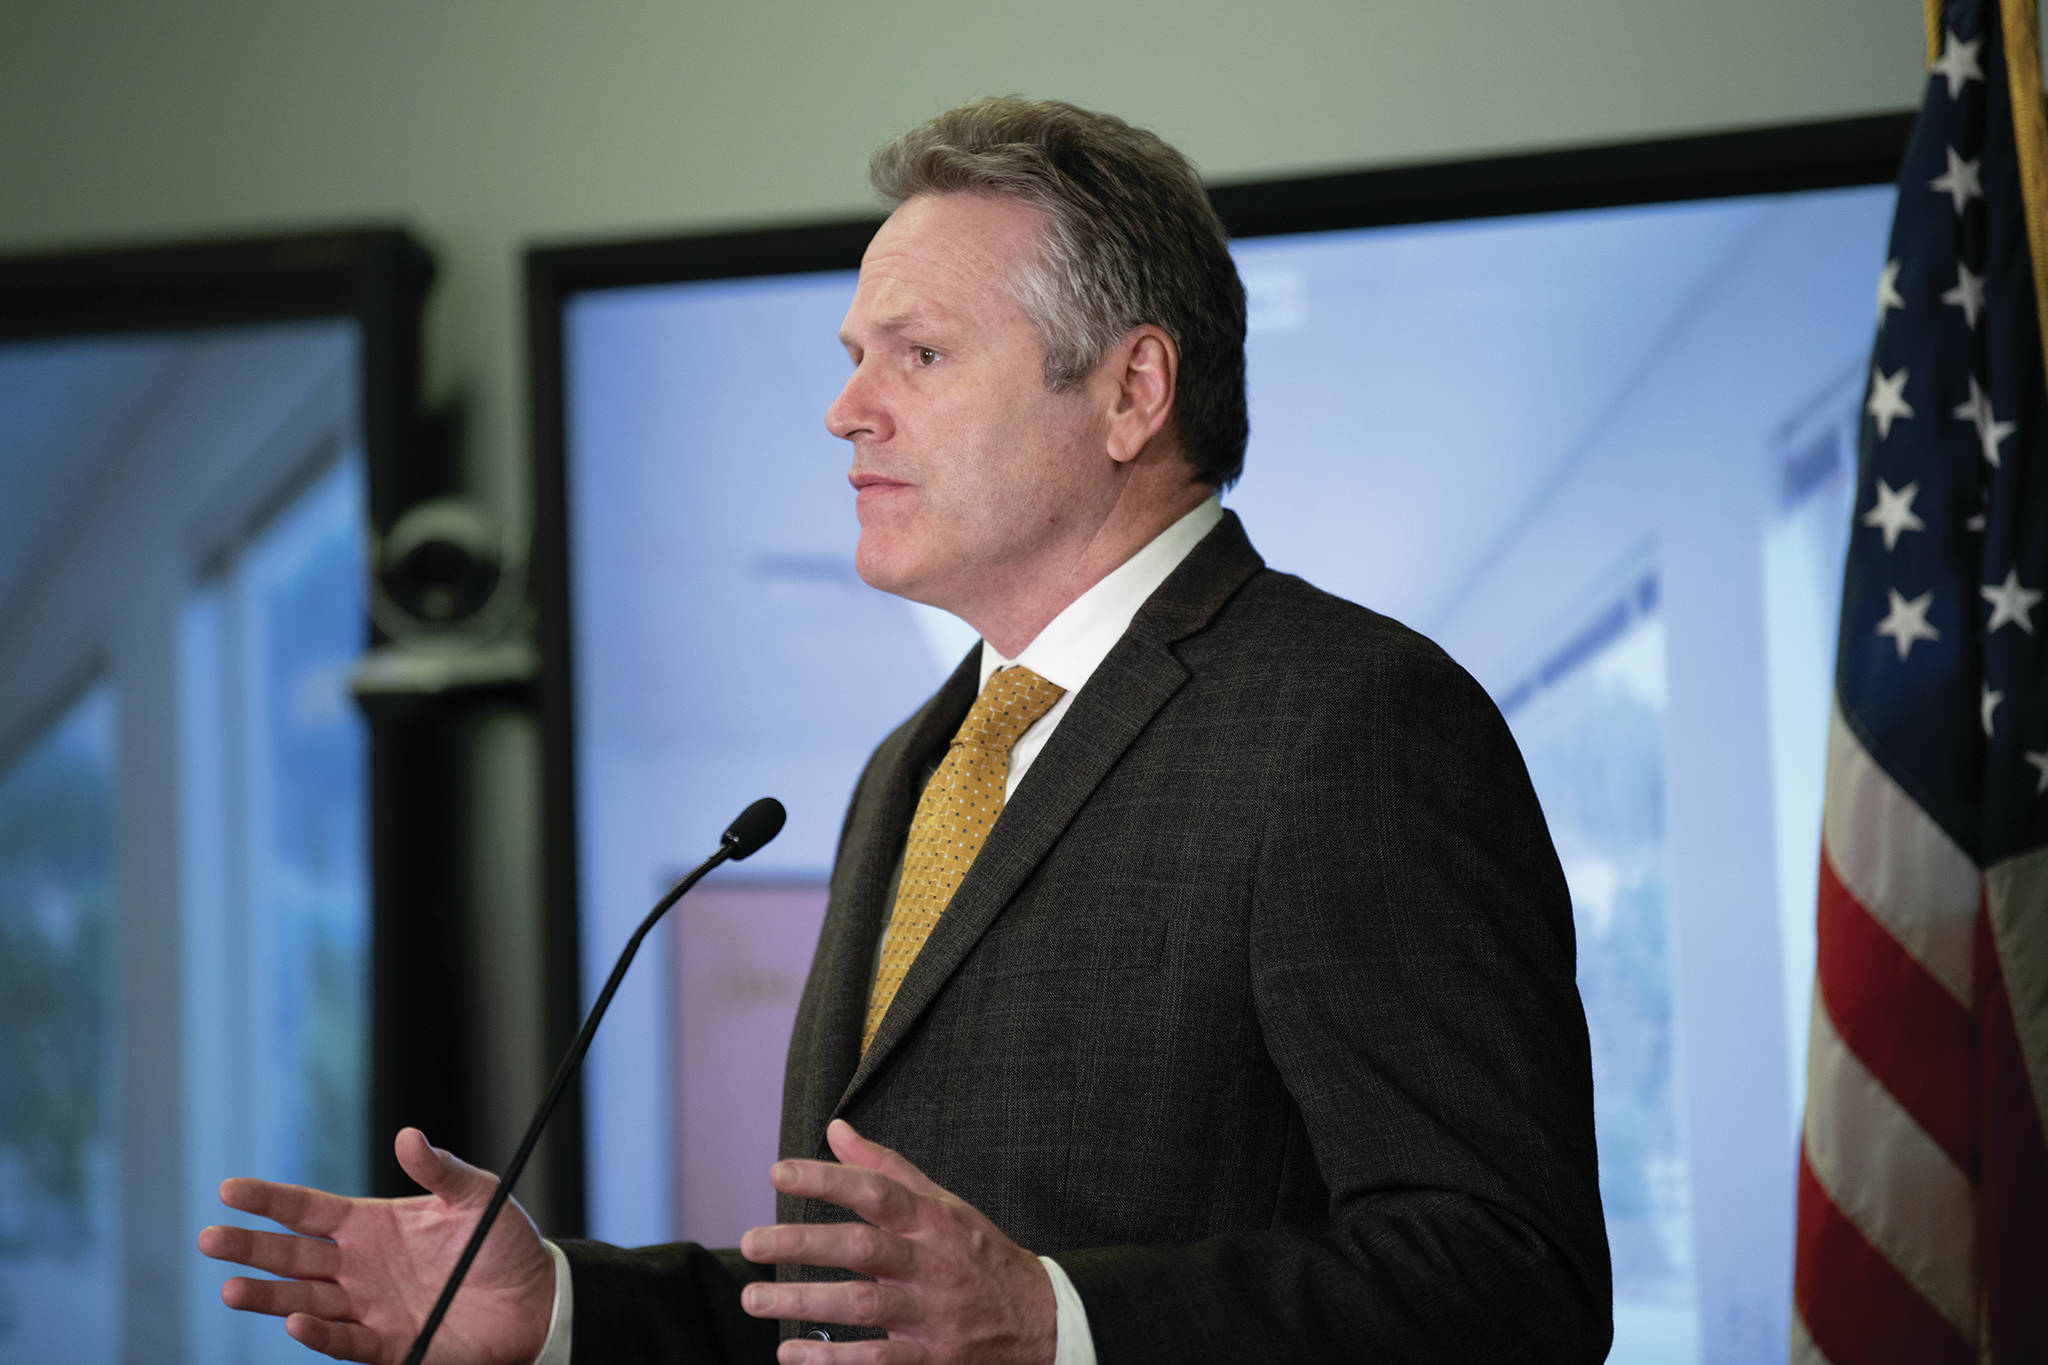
260, 902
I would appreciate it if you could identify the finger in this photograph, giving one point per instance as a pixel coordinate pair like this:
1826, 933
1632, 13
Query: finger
313, 1212
281, 1298
885, 1352
275, 1253
298, 1258
871, 1194
342, 1340
859, 1247
860, 1302
441, 1173
853, 1149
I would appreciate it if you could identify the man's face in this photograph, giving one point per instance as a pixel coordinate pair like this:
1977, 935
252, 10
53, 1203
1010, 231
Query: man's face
975, 482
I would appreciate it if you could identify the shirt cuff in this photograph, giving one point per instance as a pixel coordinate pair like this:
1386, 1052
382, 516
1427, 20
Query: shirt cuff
1075, 1344
556, 1349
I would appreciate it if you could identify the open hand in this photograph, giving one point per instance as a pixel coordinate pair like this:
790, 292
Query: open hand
363, 1293
946, 1285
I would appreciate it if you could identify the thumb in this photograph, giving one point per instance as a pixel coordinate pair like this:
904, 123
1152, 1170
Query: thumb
854, 1150
441, 1173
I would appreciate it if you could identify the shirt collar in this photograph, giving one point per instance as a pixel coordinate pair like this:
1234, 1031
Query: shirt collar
1074, 642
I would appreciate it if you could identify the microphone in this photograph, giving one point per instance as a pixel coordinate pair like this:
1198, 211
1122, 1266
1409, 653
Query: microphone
756, 825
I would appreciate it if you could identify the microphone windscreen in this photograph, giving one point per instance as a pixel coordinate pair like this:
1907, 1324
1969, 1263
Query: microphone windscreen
756, 825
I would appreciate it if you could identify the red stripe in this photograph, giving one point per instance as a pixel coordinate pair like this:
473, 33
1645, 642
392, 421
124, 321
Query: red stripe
2012, 1208
1899, 1021
1856, 1307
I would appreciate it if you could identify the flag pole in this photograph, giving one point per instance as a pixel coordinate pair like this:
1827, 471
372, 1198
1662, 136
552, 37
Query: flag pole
2022, 22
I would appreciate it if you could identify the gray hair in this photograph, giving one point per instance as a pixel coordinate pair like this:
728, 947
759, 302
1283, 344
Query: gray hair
1130, 238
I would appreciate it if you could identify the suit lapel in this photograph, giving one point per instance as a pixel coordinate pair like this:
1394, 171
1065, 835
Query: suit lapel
1130, 686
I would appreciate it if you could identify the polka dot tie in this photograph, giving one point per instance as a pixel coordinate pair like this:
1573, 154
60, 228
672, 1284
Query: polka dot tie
953, 818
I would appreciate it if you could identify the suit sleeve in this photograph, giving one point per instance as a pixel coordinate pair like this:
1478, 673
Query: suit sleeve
1411, 965
677, 1304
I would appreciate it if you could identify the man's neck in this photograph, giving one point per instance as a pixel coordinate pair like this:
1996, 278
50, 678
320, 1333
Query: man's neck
1010, 625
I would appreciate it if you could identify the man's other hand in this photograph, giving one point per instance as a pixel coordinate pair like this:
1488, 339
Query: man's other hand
946, 1284
361, 1280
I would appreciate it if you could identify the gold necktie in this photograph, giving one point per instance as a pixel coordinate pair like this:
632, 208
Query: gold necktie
953, 817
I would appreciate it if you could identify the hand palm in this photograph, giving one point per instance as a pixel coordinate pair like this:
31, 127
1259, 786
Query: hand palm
364, 1293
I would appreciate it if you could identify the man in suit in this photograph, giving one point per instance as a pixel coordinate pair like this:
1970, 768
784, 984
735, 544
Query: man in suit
1198, 951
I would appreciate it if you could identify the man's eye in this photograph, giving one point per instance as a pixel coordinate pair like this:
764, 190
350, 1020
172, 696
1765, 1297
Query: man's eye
925, 356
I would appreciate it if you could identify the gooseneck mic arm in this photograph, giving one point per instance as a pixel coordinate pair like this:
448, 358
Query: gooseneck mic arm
756, 825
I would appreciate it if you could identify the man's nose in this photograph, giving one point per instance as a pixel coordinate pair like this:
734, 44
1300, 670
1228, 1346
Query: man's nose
856, 411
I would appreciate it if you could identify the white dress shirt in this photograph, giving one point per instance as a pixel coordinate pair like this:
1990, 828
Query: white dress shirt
1067, 652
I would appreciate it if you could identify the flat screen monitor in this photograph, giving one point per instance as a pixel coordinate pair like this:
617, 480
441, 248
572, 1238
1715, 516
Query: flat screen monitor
1588, 420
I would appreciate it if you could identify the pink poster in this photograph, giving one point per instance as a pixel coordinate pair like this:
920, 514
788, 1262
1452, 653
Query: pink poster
741, 954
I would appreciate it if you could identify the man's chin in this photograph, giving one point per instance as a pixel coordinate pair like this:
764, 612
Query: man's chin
882, 568
898, 575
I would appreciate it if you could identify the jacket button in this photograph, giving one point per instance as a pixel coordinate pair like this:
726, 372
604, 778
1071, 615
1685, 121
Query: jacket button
817, 1334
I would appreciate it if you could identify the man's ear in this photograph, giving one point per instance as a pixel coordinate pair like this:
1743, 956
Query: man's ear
1144, 369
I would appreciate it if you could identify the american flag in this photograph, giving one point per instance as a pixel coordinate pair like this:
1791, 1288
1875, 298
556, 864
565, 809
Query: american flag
1923, 1184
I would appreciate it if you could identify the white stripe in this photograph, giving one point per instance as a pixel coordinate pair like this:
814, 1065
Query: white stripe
1901, 866
2017, 890
1889, 1178
1804, 1352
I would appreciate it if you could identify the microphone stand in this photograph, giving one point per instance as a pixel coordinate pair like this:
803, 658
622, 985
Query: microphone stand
756, 825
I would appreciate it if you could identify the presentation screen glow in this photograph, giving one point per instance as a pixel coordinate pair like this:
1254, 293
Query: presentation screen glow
1604, 458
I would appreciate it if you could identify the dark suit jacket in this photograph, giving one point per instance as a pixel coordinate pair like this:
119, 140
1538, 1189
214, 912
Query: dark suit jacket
1256, 1011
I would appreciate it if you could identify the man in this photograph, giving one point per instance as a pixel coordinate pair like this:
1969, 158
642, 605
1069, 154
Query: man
1198, 950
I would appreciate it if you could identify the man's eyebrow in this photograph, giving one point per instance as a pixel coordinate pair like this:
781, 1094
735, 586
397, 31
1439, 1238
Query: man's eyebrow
898, 323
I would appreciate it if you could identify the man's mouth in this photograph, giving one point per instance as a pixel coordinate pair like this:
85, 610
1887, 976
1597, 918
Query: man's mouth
864, 481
